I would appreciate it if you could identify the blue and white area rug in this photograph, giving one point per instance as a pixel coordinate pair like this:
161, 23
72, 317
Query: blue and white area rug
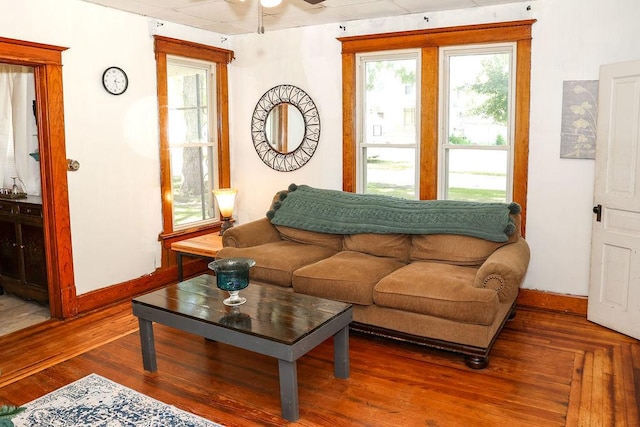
98, 402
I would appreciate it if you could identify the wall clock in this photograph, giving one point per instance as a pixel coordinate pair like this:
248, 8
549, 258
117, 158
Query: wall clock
115, 80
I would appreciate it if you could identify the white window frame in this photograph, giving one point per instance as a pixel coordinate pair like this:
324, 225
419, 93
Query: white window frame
444, 147
361, 60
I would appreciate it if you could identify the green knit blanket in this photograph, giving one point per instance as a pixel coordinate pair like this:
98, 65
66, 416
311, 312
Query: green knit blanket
338, 212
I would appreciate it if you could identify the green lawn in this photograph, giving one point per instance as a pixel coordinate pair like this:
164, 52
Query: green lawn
187, 209
406, 191
468, 194
477, 195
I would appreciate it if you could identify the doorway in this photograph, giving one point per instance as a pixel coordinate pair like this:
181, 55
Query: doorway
24, 299
46, 61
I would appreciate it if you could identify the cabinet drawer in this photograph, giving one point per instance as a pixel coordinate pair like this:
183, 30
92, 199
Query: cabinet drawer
6, 207
31, 211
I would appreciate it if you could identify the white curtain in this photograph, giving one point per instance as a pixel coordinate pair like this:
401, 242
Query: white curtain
18, 130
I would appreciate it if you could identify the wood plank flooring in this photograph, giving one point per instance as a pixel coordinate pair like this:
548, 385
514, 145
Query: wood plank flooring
546, 369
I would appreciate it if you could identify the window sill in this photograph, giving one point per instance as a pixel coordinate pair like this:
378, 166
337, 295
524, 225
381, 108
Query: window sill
168, 238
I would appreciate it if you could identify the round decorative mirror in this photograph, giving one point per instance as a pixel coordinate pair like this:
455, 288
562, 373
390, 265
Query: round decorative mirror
285, 128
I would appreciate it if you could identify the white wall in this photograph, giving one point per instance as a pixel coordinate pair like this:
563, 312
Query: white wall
571, 39
310, 59
115, 197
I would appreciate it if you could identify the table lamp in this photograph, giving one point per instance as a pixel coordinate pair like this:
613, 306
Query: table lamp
225, 198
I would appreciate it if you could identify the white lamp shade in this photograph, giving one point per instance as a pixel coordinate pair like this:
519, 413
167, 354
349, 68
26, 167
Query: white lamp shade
225, 197
270, 3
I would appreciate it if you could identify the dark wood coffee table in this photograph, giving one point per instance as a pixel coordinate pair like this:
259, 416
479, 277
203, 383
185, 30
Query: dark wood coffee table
273, 322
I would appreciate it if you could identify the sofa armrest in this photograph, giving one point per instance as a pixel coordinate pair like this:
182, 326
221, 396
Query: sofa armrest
252, 233
504, 270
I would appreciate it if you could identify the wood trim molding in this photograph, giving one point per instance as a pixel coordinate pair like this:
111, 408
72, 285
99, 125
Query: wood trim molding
224, 156
204, 52
435, 37
29, 53
429, 124
521, 129
123, 291
47, 63
349, 122
53, 171
550, 301
221, 57
163, 131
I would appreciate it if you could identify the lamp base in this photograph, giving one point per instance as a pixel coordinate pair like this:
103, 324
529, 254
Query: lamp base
226, 224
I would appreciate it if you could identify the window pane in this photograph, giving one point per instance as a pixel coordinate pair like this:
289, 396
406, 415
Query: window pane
188, 104
390, 171
478, 99
191, 184
477, 175
390, 101
192, 155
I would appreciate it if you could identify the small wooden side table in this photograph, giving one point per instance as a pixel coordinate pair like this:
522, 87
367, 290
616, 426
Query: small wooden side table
205, 246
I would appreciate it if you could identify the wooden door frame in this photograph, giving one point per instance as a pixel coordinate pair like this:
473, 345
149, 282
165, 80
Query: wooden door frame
46, 61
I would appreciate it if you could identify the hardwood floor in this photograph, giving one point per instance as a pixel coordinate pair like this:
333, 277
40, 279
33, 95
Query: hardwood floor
546, 369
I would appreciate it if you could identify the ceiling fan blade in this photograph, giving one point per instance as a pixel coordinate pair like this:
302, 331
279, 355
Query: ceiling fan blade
314, 1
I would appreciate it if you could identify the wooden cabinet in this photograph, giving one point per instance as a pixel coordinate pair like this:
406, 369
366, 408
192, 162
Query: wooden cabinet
23, 270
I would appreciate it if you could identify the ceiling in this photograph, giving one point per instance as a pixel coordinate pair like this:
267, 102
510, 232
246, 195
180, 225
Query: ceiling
231, 17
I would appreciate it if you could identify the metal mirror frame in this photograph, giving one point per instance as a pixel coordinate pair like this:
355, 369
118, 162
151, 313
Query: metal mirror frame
286, 162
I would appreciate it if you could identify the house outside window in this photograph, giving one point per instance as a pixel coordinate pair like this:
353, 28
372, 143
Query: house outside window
475, 152
388, 135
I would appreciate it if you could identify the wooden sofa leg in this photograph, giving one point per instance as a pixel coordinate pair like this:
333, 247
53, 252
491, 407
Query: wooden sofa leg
476, 362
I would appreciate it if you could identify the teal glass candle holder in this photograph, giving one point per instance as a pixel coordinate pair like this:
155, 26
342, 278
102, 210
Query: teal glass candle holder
232, 275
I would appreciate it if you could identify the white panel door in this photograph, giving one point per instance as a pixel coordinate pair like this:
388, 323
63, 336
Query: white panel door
614, 286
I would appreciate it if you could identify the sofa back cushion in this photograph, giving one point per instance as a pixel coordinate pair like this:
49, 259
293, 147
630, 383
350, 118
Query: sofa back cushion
457, 249
394, 246
276, 261
326, 240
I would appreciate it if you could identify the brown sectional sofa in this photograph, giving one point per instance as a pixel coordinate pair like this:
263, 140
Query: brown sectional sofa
453, 292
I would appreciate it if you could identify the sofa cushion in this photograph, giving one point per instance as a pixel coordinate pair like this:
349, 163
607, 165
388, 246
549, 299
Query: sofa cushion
327, 240
457, 249
452, 249
276, 261
346, 276
394, 246
439, 290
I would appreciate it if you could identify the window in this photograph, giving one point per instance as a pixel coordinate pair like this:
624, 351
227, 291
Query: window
194, 140
388, 135
475, 156
464, 148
